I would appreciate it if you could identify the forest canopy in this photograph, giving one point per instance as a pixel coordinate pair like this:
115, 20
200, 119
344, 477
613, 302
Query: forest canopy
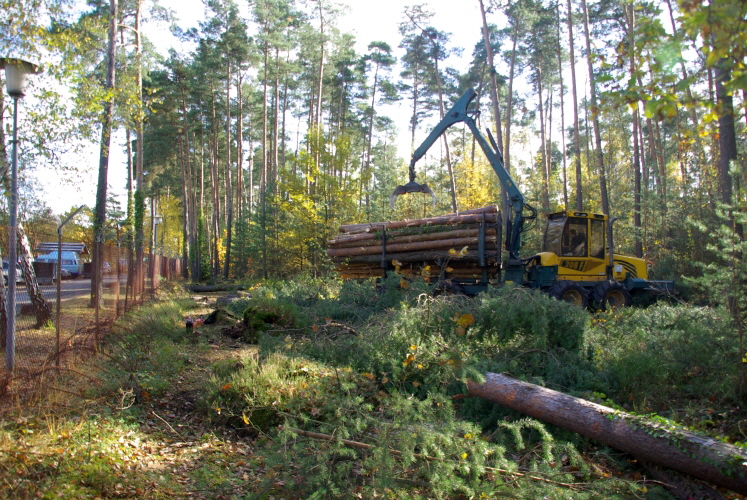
272, 129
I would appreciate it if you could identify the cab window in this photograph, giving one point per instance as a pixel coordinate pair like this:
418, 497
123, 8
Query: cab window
574, 237
596, 241
553, 236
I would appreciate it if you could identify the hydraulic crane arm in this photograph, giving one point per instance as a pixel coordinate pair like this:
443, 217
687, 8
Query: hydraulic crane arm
459, 113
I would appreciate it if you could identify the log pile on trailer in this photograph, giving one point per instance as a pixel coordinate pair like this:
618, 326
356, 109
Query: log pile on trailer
463, 246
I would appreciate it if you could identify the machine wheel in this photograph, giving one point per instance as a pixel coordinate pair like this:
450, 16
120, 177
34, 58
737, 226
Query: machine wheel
448, 287
569, 291
610, 295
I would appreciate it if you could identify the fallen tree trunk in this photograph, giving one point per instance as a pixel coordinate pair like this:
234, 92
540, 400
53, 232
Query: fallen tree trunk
443, 219
372, 239
456, 243
416, 257
701, 457
432, 221
214, 288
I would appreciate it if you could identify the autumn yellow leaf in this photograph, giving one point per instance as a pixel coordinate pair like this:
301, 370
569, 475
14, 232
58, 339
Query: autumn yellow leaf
413, 347
452, 251
409, 359
465, 320
245, 419
315, 328
396, 263
369, 376
463, 251
449, 269
226, 387
404, 284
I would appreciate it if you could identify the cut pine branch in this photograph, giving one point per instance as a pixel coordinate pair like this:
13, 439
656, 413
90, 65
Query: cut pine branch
366, 446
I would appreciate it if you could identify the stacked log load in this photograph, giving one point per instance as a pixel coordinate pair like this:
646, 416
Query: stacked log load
440, 247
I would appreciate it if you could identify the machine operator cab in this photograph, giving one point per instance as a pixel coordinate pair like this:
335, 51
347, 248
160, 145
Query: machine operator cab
575, 242
575, 234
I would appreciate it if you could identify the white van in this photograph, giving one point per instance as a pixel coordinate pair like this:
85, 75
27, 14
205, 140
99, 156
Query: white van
70, 262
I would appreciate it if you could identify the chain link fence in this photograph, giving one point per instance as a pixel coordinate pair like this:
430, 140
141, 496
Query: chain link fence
57, 322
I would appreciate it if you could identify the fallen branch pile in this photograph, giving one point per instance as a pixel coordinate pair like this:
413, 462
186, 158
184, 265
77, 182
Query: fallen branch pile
452, 246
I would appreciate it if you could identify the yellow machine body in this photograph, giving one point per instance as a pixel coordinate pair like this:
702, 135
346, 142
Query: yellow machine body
576, 242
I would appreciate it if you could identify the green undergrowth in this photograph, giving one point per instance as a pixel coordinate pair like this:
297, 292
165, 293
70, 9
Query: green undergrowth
358, 391
677, 361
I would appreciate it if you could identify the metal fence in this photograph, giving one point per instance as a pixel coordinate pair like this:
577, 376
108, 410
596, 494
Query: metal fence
66, 326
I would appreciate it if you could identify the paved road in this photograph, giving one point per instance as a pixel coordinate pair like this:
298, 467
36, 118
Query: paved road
70, 289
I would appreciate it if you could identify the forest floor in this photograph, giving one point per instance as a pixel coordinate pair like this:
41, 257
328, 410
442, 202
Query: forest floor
64, 444
156, 438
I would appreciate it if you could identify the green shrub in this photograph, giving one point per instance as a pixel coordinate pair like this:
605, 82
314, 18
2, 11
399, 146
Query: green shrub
663, 351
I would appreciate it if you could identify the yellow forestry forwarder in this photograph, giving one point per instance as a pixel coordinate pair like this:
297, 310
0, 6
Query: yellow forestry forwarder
577, 263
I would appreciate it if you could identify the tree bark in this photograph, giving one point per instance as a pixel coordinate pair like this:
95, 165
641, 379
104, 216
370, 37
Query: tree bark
229, 186
636, 149
445, 219
139, 277
562, 112
576, 135
106, 133
727, 133
372, 239
41, 307
701, 457
265, 156
543, 147
427, 244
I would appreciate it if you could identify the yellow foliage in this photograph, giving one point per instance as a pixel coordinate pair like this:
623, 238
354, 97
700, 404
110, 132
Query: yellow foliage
465, 320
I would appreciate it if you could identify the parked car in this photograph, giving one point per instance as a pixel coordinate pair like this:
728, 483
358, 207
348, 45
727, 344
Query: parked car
19, 274
106, 268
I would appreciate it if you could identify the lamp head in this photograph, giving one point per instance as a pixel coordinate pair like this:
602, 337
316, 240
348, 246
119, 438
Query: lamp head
16, 71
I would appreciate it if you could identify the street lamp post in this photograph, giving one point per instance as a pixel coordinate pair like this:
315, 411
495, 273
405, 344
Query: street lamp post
16, 72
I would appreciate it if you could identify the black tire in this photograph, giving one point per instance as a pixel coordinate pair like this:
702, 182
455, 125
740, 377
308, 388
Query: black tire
448, 287
610, 295
569, 291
